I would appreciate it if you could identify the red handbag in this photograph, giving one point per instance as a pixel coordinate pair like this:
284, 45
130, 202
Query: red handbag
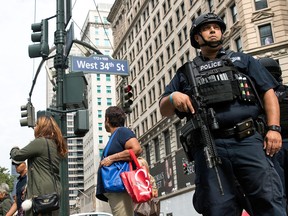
137, 182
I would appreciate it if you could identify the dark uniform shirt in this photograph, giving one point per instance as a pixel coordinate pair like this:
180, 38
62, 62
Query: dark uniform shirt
230, 114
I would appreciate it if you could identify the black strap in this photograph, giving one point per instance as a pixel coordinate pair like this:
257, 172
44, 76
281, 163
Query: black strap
51, 171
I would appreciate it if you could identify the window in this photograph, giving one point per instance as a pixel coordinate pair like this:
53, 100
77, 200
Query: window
97, 42
238, 44
266, 36
178, 132
98, 101
157, 149
100, 151
99, 113
106, 42
109, 101
98, 77
183, 8
100, 126
147, 153
180, 38
260, 4
98, 89
234, 13
178, 15
108, 89
167, 142
185, 33
108, 77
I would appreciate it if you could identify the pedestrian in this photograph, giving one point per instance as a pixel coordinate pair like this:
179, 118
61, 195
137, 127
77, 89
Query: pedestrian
5, 199
41, 179
143, 162
281, 158
21, 184
221, 93
123, 140
151, 207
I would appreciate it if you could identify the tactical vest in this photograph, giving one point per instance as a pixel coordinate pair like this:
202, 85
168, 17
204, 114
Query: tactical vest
219, 81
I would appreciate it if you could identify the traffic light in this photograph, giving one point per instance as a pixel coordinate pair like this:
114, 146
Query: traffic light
127, 101
40, 37
28, 115
185, 168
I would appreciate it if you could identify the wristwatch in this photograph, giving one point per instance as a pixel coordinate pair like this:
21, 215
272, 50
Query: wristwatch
274, 128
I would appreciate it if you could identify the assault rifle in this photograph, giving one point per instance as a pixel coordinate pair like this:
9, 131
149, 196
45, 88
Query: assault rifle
203, 119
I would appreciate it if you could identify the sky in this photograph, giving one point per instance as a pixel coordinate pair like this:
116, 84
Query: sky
18, 69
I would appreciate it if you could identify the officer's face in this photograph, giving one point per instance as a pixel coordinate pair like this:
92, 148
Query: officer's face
211, 32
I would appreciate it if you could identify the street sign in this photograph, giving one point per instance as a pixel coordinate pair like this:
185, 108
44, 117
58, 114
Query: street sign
99, 64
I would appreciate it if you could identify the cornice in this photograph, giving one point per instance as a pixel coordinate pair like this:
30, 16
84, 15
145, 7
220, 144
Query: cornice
261, 15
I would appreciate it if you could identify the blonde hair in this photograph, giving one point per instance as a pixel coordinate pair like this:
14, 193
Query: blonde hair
143, 162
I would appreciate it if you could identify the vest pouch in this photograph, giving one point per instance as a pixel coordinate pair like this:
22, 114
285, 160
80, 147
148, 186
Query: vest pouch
217, 91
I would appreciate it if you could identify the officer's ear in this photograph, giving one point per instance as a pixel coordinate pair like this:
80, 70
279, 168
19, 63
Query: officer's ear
196, 37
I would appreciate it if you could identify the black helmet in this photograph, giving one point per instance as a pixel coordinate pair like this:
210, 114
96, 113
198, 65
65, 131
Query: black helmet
201, 20
272, 66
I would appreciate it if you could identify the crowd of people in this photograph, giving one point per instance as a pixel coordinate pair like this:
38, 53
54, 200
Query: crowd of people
250, 149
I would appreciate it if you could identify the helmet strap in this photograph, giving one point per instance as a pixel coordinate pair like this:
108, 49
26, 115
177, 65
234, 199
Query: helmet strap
212, 45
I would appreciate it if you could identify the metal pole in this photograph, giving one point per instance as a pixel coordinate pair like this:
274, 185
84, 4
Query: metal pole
60, 65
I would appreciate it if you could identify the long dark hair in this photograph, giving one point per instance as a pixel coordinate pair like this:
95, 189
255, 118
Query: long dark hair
47, 127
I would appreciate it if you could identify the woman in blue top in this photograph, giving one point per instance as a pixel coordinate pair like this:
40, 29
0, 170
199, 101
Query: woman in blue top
121, 203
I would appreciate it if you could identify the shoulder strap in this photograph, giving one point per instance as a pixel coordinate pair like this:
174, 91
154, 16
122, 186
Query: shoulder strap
108, 145
198, 61
228, 54
51, 170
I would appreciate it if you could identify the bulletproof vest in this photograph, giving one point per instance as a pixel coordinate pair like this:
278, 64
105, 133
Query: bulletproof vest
220, 81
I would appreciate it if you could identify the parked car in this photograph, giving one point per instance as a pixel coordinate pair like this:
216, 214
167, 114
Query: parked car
93, 214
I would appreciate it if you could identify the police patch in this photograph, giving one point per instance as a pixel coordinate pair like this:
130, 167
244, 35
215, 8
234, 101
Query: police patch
211, 65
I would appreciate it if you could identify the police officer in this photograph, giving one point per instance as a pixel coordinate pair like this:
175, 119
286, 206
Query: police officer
281, 158
242, 150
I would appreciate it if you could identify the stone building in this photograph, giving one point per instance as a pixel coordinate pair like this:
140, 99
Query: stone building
153, 35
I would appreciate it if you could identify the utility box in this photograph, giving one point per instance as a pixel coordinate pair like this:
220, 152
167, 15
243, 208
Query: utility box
75, 91
81, 122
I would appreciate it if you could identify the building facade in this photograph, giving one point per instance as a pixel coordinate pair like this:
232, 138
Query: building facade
153, 35
97, 32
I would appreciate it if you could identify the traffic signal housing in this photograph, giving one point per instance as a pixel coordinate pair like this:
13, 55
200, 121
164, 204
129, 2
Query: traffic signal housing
81, 122
28, 115
127, 101
40, 37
